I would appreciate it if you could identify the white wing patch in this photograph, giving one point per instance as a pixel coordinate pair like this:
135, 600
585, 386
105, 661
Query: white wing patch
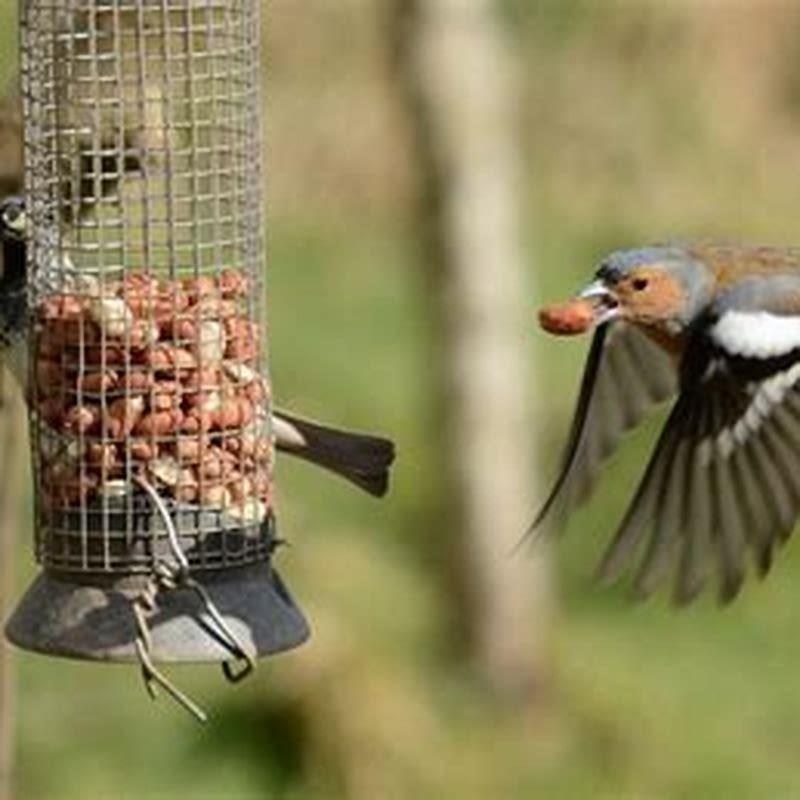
756, 334
766, 396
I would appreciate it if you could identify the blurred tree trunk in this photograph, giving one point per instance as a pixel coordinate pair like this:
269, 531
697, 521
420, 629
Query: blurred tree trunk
459, 85
12, 425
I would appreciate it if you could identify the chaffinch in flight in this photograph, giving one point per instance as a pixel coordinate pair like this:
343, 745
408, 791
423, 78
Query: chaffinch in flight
718, 326
362, 459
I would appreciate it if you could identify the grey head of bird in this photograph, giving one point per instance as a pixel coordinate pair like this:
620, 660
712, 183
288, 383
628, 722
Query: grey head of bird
663, 288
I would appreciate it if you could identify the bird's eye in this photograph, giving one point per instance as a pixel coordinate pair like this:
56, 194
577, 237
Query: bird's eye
640, 284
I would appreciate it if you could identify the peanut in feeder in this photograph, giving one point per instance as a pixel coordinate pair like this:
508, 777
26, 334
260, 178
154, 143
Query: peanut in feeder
151, 422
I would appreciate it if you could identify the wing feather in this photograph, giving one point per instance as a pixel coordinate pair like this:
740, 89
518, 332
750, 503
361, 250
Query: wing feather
728, 532
693, 566
625, 376
644, 505
667, 532
724, 479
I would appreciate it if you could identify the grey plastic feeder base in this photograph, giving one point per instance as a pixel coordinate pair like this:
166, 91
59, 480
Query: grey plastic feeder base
64, 615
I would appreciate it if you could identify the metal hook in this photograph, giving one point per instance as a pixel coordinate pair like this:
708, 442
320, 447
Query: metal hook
166, 577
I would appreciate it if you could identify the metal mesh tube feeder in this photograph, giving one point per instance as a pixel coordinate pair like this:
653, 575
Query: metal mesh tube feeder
148, 385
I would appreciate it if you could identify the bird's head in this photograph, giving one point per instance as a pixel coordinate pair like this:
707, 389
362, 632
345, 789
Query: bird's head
660, 288
13, 220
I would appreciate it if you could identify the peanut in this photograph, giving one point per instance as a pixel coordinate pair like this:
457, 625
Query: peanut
142, 450
187, 488
191, 449
256, 392
210, 342
214, 494
262, 483
233, 283
163, 401
228, 416
166, 470
159, 358
111, 315
197, 288
165, 357
101, 455
124, 415
202, 379
61, 307
211, 465
263, 449
242, 343
157, 423
98, 382
197, 421
81, 419
251, 511
143, 334
240, 488
138, 381
205, 401
567, 319
184, 331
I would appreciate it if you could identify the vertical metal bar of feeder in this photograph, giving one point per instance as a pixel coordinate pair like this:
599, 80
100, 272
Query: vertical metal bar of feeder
194, 166
145, 213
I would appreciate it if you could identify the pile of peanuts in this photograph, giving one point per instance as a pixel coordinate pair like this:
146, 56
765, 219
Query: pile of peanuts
156, 378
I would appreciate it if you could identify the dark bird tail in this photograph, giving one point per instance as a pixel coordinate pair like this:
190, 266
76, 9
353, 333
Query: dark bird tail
363, 460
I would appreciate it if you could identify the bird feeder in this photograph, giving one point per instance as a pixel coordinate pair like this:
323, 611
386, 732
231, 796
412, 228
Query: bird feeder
148, 385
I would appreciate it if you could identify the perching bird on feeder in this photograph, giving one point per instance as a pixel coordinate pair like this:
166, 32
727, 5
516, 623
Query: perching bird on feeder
362, 459
719, 325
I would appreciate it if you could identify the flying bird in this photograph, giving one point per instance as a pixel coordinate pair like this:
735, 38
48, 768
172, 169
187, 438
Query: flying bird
715, 328
362, 459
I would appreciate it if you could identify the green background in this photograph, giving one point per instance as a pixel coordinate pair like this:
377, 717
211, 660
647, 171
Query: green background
640, 121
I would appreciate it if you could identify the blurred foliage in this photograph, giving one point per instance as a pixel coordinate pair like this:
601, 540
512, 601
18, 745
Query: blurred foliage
640, 121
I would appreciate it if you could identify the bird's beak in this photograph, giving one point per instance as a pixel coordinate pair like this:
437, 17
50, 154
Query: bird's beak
595, 305
603, 300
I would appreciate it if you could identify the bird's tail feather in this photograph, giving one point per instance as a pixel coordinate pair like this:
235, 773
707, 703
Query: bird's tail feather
362, 459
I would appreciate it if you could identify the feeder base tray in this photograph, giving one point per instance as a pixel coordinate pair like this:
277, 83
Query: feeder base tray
64, 615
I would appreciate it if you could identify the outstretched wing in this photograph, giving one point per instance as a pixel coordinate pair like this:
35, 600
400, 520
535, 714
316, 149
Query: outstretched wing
625, 375
724, 477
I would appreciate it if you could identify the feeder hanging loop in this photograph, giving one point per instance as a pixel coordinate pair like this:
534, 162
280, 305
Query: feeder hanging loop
165, 578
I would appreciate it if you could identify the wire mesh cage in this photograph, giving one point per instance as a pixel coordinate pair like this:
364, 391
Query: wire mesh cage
148, 382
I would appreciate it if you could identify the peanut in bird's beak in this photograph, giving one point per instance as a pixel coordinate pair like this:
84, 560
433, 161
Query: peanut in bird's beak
604, 302
594, 306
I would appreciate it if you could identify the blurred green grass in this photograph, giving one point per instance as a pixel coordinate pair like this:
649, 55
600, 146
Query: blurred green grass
646, 702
